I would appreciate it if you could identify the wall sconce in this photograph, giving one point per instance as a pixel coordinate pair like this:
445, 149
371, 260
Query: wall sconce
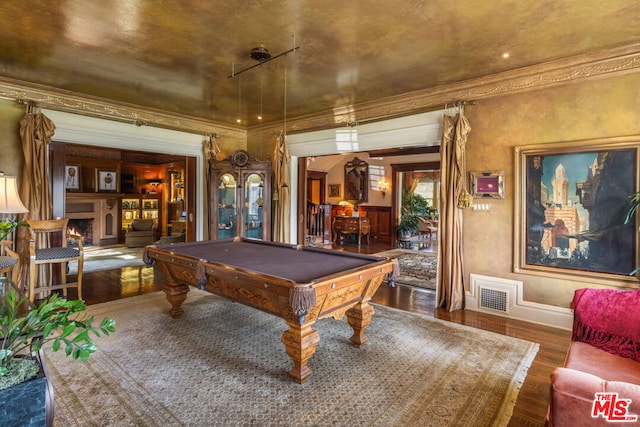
382, 187
154, 187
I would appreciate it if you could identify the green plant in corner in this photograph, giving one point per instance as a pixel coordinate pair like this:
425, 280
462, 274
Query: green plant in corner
413, 206
56, 320
634, 201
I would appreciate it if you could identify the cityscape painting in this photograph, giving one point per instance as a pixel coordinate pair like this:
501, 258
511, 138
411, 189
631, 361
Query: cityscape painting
574, 200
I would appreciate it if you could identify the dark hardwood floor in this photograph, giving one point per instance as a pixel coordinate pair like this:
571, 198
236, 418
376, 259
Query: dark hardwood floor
533, 399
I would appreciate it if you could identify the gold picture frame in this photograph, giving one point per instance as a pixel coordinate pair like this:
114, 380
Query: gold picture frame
334, 190
571, 201
488, 184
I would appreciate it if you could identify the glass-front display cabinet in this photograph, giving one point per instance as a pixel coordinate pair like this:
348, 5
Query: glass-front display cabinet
240, 197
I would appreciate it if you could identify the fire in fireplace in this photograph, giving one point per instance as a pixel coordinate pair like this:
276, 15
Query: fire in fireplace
81, 227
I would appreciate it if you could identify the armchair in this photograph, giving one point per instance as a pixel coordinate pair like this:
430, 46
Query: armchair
9, 260
43, 252
603, 357
427, 227
141, 232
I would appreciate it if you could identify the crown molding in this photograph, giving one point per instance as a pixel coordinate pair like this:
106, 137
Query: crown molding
71, 102
615, 61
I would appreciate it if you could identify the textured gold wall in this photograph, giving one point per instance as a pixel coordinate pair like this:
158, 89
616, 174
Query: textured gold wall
595, 109
11, 157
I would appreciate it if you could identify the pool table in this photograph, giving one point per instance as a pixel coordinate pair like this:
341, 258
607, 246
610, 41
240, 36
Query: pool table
297, 283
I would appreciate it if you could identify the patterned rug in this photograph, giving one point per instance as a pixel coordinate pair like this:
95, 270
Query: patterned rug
416, 268
222, 364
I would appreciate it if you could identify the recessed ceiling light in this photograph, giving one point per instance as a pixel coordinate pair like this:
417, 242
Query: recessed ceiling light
505, 55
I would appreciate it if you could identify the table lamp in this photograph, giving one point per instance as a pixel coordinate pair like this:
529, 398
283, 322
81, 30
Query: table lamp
11, 204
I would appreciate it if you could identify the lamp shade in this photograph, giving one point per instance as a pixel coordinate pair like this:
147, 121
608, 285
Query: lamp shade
9, 200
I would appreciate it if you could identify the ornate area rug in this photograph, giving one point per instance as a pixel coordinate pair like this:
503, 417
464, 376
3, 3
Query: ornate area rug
107, 259
222, 363
416, 268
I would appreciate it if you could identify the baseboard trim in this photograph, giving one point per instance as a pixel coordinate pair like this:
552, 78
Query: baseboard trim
515, 306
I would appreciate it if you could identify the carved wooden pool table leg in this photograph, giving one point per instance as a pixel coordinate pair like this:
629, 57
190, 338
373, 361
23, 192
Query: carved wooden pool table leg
300, 342
359, 317
176, 296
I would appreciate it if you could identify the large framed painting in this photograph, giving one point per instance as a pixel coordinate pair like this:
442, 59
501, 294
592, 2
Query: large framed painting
571, 201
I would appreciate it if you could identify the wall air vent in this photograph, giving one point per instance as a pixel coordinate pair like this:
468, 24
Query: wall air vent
494, 299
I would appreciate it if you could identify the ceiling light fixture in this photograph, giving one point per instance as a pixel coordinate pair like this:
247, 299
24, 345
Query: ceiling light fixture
260, 115
262, 55
239, 120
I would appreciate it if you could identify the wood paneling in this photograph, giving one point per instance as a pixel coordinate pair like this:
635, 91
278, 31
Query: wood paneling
380, 217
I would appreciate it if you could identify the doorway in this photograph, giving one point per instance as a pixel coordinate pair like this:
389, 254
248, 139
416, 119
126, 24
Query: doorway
423, 180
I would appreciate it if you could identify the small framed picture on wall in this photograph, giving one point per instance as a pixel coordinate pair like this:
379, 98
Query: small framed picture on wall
334, 190
107, 180
72, 177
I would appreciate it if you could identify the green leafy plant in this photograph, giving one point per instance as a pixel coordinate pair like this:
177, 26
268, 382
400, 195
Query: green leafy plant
55, 320
634, 201
413, 206
8, 227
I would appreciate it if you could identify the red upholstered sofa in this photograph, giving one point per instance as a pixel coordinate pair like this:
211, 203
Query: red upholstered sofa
603, 357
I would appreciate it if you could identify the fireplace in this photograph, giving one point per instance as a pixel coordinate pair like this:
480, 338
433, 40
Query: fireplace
82, 227
93, 217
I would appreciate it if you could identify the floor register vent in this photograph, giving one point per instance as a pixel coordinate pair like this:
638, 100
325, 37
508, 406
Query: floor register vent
494, 299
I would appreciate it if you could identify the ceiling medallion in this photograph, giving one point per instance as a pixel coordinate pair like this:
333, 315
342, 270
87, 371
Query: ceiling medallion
260, 54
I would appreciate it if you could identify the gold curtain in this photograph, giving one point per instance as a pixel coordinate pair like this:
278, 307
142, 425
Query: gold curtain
36, 131
281, 195
211, 152
452, 192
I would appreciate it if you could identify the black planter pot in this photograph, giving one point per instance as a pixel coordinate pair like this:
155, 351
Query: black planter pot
29, 403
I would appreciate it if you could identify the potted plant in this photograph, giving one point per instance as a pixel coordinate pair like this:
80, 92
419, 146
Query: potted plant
413, 206
634, 201
8, 226
24, 329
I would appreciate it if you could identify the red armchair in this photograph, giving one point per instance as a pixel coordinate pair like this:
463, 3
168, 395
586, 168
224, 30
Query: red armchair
603, 357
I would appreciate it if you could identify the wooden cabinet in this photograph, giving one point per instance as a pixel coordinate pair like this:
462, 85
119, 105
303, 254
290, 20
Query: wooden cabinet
240, 197
361, 226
